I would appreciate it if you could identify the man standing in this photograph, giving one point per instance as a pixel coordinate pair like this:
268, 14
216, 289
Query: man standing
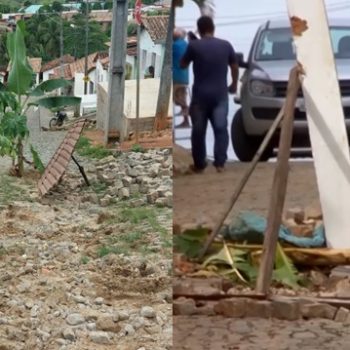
180, 76
211, 58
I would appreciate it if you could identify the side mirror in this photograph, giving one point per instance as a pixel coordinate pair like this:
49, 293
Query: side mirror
240, 60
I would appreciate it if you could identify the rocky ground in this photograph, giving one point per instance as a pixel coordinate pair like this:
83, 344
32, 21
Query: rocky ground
206, 327
88, 267
207, 333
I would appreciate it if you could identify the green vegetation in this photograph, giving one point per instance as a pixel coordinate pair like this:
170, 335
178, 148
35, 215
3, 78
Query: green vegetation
137, 228
84, 148
137, 148
14, 102
239, 263
84, 260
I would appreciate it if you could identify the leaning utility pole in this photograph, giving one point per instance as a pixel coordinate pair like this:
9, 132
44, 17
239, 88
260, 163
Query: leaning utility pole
164, 94
116, 87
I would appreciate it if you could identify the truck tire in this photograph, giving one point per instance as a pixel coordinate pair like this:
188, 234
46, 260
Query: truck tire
244, 145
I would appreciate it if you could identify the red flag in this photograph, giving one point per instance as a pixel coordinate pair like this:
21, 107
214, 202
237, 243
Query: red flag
138, 5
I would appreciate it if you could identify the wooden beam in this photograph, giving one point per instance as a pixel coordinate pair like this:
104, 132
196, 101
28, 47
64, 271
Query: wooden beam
279, 186
243, 181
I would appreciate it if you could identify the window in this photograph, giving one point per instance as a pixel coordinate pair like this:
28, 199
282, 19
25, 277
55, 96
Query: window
91, 87
154, 58
144, 60
277, 44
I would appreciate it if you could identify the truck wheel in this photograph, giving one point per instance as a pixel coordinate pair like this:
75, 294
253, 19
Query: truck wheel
244, 145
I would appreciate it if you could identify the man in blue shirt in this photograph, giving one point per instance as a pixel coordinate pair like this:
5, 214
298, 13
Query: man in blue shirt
211, 58
180, 76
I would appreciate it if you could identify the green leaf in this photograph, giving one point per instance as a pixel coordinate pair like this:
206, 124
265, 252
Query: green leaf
8, 100
57, 102
14, 125
230, 257
190, 243
21, 74
6, 146
38, 164
285, 272
49, 85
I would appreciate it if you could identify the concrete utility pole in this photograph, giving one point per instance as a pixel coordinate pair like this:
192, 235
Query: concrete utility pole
116, 87
61, 48
160, 122
86, 48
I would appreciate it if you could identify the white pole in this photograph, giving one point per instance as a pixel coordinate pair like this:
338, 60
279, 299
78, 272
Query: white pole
325, 116
138, 84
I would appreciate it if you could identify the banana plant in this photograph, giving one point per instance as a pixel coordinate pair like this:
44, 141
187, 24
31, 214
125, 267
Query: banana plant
18, 95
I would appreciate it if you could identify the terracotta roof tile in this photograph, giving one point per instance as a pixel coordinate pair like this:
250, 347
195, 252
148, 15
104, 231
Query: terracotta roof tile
57, 62
156, 26
35, 63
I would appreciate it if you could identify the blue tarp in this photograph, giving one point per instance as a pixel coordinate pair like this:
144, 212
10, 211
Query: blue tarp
250, 228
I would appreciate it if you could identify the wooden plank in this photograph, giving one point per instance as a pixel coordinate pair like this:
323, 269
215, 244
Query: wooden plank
279, 187
244, 181
53, 171
60, 169
58, 163
325, 116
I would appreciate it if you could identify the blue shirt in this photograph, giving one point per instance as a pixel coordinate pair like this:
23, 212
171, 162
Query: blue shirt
211, 58
180, 75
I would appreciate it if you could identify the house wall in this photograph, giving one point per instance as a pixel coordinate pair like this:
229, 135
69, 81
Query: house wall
101, 74
151, 54
46, 75
79, 83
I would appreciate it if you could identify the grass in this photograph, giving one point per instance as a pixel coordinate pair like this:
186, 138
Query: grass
99, 187
84, 260
138, 148
109, 249
143, 221
84, 148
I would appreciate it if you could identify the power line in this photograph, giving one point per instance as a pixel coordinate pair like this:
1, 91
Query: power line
272, 15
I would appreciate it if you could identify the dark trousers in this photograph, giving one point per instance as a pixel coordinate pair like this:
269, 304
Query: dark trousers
216, 113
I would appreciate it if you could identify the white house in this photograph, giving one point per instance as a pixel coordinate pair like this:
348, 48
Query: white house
152, 48
48, 69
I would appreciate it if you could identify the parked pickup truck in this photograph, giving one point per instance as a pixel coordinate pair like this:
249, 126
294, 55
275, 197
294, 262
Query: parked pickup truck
264, 85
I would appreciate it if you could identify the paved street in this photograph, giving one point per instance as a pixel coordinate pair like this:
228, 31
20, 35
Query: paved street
217, 333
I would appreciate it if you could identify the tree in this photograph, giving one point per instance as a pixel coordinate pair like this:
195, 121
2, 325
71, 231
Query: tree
74, 37
160, 122
14, 99
132, 28
108, 5
97, 6
57, 6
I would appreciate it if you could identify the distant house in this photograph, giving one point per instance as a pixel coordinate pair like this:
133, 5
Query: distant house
48, 69
152, 48
75, 71
152, 43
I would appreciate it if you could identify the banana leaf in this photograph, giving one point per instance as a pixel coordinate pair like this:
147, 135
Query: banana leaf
21, 74
48, 86
56, 102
